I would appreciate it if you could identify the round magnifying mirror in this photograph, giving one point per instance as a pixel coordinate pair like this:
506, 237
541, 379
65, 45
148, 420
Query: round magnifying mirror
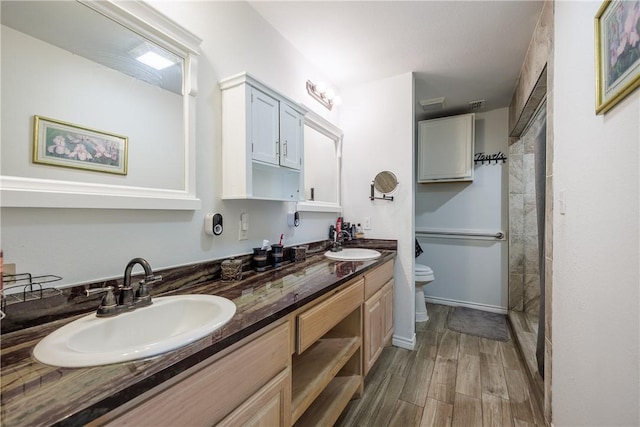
385, 182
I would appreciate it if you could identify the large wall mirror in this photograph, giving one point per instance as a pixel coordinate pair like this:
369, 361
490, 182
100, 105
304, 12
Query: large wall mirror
322, 164
80, 63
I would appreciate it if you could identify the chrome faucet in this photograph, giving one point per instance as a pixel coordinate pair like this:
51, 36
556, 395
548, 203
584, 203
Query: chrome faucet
336, 236
127, 300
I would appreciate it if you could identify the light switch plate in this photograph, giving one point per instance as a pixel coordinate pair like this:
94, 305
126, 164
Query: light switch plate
367, 223
243, 226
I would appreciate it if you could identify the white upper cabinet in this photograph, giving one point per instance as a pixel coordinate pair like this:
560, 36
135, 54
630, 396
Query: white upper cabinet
262, 142
445, 149
265, 134
291, 137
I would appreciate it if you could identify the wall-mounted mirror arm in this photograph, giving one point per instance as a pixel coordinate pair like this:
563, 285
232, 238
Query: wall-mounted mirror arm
384, 196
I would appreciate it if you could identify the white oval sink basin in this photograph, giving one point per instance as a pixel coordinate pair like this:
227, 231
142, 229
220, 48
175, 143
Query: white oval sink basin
169, 323
353, 254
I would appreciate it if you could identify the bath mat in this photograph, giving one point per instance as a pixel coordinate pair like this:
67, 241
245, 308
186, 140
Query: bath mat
492, 326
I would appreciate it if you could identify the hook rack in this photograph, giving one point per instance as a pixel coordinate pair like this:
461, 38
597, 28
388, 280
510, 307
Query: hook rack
496, 157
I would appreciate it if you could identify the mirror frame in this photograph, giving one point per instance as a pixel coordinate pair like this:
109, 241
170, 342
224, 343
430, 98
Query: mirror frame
318, 123
379, 177
156, 27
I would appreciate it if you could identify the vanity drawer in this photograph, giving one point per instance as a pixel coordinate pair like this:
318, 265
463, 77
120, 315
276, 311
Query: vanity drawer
375, 280
318, 320
213, 390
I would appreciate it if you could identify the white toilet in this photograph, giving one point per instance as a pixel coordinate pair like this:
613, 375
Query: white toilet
424, 275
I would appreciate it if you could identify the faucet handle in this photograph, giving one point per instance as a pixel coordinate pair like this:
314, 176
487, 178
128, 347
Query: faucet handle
152, 278
89, 292
108, 305
143, 297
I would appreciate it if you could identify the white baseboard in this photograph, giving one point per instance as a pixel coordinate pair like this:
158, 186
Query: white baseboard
403, 342
468, 304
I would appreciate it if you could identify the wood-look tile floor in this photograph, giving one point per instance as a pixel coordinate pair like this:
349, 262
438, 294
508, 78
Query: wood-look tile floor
450, 379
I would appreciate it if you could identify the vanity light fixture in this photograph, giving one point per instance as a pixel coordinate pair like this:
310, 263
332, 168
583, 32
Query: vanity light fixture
322, 94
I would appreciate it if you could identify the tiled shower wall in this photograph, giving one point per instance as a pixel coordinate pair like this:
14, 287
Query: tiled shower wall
524, 262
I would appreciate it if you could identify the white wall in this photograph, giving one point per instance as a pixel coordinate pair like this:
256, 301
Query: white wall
596, 279
90, 244
480, 206
378, 123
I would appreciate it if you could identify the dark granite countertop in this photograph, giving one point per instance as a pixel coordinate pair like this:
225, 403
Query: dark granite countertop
36, 394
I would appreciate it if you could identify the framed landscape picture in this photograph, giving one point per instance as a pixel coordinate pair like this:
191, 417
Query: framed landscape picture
65, 144
617, 28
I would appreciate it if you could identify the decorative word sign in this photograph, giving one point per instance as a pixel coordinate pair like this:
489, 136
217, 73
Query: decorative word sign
496, 157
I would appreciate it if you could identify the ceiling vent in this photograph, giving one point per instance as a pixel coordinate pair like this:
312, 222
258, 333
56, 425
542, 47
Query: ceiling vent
476, 106
432, 104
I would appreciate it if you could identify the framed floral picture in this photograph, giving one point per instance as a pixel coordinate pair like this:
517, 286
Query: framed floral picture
65, 144
617, 28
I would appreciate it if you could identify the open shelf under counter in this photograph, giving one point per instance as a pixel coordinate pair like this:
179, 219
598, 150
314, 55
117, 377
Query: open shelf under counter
314, 369
328, 406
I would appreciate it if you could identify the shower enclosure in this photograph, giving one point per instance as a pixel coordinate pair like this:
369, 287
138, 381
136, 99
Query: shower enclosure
526, 240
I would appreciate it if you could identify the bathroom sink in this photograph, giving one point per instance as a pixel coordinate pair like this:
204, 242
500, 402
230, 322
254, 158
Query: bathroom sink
353, 254
169, 323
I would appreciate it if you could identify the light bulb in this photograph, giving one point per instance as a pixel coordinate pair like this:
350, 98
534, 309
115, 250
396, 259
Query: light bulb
330, 94
321, 87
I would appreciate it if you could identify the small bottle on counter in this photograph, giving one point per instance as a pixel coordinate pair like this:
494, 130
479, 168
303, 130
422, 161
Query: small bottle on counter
359, 232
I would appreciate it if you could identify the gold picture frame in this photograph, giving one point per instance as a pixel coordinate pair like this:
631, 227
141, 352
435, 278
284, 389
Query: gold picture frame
617, 30
68, 145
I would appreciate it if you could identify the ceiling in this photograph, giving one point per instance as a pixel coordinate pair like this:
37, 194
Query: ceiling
461, 50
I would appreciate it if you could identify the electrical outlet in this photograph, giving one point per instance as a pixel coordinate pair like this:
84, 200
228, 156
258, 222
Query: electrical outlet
367, 223
242, 234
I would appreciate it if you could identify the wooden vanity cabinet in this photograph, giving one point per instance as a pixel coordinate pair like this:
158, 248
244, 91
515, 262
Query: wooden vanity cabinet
327, 365
268, 407
302, 371
378, 313
249, 385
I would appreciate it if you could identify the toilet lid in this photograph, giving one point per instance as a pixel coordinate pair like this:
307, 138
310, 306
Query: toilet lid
423, 269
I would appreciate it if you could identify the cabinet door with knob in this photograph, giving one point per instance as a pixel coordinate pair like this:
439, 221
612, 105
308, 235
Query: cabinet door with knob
378, 313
